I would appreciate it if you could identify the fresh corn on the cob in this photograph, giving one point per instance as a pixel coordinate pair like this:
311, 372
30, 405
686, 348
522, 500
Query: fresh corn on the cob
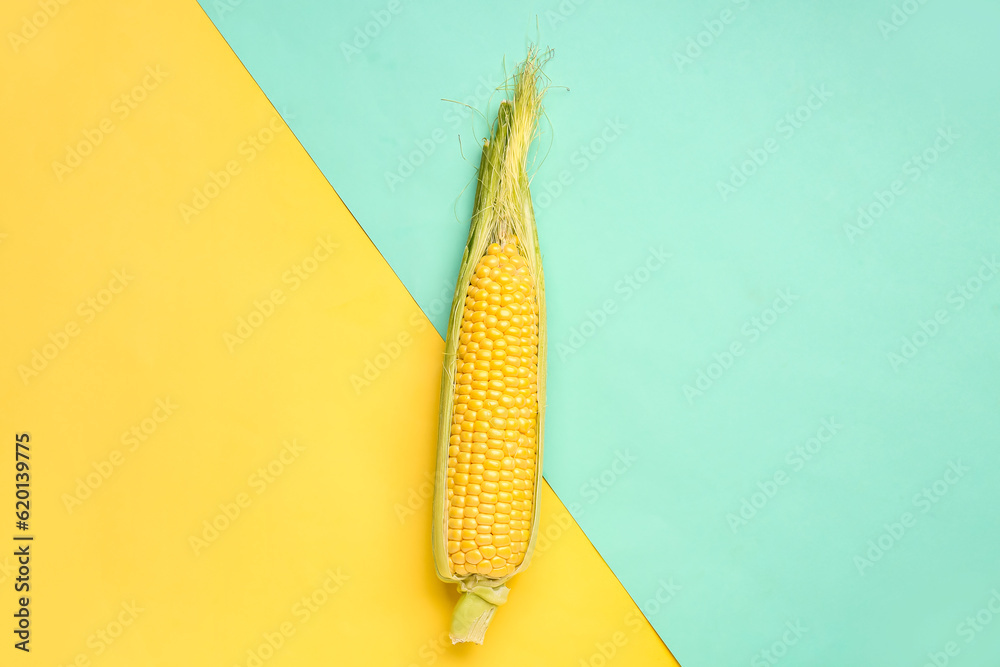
493, 386
491, 453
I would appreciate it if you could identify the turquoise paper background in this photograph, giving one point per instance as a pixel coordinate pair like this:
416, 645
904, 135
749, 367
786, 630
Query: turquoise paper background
786, 361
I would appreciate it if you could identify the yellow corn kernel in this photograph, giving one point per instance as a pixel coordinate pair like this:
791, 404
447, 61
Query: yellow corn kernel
505, 427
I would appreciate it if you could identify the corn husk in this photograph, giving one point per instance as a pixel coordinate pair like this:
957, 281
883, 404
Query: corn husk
502, 213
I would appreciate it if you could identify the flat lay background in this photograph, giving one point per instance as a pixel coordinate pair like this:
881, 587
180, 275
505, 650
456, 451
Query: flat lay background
186, 301
769, 236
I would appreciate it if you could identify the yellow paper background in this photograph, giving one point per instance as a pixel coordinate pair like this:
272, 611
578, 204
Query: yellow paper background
332, 475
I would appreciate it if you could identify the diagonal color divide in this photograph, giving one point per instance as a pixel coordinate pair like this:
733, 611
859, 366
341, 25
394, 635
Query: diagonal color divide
192, 299
771, 259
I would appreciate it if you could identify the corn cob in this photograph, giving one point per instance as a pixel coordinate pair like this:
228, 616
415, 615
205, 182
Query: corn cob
489, 455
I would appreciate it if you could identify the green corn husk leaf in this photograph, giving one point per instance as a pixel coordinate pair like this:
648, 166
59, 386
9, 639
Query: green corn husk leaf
502, 213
